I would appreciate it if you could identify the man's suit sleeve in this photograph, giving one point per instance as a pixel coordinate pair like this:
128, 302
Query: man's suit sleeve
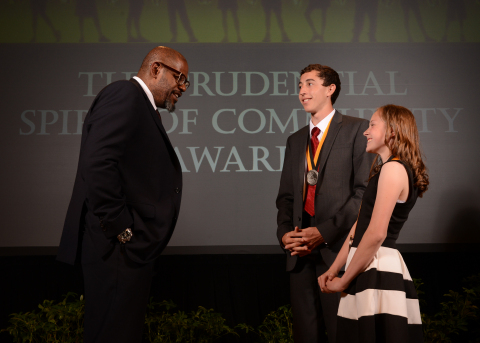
337, 226
285, 196
111, 123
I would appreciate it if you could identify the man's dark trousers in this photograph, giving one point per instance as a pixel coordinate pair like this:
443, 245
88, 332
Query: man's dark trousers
127, 286
311, 324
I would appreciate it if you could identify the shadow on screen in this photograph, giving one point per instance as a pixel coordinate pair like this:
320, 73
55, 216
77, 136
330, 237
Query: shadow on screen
240, 21
459, 213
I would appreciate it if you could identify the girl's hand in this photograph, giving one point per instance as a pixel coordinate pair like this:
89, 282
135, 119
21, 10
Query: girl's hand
329, 275
335, 285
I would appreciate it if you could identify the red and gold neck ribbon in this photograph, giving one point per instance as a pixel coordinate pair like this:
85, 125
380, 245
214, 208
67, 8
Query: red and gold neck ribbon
317, 153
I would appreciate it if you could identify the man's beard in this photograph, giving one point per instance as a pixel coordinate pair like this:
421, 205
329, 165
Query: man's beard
169, 105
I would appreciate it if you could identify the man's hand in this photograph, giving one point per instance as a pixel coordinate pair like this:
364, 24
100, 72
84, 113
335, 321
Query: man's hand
302, 242
293, 241
312, 237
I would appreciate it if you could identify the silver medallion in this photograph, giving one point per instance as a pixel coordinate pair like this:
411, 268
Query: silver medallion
312, 177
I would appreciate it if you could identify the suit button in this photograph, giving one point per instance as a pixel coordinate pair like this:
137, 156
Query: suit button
177, 190
174, 218
299, 218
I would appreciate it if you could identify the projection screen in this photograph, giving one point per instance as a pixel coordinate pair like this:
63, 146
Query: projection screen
230, 128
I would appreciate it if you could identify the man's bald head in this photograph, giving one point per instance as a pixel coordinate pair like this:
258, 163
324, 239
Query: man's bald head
159, 54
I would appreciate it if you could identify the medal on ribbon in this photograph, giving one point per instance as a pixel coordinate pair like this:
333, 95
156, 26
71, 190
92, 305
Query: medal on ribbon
312, 177
313, 162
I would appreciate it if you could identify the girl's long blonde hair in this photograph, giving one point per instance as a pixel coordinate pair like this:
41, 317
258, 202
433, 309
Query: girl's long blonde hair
405, 143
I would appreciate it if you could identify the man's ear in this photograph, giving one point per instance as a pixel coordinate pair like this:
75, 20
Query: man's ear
154, 69
331, 89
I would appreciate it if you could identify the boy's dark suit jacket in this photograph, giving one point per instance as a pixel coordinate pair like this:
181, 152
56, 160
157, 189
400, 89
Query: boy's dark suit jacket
343, 175
128, 177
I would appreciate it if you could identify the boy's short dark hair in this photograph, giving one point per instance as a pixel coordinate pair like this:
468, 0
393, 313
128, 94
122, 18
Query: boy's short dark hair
328, 75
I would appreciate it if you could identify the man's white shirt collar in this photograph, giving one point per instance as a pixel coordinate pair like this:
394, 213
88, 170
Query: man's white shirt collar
323, 123
147, 91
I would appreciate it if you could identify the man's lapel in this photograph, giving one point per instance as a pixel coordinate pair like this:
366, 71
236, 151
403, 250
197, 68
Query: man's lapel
300, 154
153, 112
158, 122
333, 130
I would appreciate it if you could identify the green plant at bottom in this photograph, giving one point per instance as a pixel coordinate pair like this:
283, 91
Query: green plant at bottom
200, 326
457, 312
55, 322
277, 327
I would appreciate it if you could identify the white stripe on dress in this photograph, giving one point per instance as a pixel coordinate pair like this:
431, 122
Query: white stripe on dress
377, 301
385, 260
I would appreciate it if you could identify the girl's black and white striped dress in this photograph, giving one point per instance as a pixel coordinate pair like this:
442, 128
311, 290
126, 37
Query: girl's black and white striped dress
381, 304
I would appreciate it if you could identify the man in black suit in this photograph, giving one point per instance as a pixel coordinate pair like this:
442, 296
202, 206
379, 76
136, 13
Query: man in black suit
126, 196
318, 199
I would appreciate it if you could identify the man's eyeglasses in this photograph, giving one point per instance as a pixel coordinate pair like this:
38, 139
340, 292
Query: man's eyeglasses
182, 79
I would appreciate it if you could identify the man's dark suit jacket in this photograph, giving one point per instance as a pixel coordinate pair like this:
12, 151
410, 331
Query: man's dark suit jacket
342, 179
128, 177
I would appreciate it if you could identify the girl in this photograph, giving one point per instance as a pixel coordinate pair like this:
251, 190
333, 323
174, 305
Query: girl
379, 302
